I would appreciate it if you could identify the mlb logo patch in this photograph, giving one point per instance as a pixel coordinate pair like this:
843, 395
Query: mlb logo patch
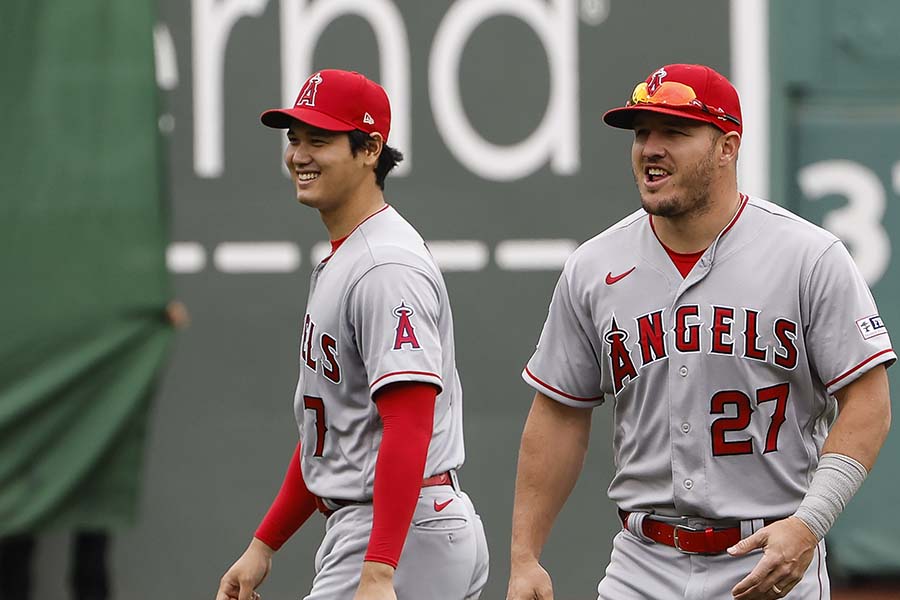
871, 326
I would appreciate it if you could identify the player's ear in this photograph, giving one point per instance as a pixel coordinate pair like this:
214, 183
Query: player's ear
729, 143
372, 150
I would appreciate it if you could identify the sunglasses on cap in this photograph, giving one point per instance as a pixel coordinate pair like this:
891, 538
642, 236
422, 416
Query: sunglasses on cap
673, 93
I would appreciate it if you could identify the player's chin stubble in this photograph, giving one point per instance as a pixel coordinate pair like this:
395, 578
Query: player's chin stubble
694, 201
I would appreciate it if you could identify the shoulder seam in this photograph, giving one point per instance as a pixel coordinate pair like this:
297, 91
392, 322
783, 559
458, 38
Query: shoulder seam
815, 264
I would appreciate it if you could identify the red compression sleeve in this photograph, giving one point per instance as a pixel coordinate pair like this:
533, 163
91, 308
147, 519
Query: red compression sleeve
291, 508
407, 412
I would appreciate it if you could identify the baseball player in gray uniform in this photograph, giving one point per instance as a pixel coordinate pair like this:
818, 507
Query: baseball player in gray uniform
726, 333
378, 401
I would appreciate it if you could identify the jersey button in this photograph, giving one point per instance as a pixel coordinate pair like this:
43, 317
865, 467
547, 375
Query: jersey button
685, 427
683, 371
688, 484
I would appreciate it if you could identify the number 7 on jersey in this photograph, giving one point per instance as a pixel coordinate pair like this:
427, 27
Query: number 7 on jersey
316, 405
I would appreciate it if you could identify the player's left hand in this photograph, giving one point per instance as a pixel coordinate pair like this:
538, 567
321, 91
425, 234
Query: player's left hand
376, 582
788, 548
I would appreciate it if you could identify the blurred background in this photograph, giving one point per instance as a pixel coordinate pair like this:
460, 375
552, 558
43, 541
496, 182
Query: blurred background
136, 181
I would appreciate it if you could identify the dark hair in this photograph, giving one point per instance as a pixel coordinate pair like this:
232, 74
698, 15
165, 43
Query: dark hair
389, 156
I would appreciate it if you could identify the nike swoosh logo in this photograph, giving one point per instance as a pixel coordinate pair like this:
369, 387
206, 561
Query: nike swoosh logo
611, 279
438, 507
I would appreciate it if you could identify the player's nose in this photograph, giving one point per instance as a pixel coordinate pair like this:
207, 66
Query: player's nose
653, 146
298, 154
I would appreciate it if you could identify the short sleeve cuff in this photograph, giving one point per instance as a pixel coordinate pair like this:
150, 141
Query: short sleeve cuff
401, 376
886, 357
559, 395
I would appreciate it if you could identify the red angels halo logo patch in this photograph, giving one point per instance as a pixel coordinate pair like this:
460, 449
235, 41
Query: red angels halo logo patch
307, 95
406, 334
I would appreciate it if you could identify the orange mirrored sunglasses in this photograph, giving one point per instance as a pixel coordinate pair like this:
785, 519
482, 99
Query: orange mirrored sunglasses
673, 93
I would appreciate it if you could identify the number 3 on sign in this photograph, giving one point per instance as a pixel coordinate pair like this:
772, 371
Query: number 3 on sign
859, 222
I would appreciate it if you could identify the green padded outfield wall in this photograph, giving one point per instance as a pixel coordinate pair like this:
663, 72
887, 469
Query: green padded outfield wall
497, 107
836, 134
82, 240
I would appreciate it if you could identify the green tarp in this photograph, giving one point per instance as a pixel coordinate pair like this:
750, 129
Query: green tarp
83, 284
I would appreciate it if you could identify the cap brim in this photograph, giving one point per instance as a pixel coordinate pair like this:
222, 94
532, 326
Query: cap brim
280, 118
623, 117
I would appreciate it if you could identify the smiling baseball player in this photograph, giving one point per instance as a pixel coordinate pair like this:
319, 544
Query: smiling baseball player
378, 400
725, 333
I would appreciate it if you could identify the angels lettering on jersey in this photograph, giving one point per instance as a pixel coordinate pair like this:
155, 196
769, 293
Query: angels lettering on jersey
319, 348
716, 330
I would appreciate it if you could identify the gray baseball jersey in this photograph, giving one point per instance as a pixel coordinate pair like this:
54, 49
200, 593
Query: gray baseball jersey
722, 380
378, 313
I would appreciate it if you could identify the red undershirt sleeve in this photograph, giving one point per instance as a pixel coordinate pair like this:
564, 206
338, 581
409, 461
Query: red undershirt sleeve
407, 414
291, 508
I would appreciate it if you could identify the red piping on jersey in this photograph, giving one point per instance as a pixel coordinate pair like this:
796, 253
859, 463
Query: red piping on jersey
737, 215
857, 367
560, 392
335, 244
406, 373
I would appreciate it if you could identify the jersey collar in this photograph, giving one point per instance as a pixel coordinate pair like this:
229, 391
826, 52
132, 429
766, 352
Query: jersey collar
335, 244
737, 215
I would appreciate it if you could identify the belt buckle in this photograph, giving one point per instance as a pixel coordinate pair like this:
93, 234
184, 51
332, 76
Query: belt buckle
677, 543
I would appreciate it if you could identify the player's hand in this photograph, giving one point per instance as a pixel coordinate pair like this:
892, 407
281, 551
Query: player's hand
245, 575
376, 582
529, 581
788, 548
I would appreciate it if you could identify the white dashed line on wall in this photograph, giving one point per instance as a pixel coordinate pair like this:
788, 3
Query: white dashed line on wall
460, 255
533, 255
450, 255
186, 257
257, 257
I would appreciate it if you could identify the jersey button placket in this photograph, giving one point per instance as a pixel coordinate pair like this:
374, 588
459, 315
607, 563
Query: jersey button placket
685, 463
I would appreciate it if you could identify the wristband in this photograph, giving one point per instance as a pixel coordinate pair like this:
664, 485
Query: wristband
834, 483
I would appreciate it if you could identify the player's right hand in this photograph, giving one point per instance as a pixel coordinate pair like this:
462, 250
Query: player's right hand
245, 575
529, 582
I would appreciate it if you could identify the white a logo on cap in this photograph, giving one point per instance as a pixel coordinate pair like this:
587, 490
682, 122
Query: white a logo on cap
308, 93
656, 80
368, 120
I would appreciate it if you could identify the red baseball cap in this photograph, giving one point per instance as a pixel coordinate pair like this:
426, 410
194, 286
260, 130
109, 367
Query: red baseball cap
337, 101
694, 92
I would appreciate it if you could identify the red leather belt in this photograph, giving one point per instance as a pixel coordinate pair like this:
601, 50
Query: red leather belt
441, 479
689, 540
